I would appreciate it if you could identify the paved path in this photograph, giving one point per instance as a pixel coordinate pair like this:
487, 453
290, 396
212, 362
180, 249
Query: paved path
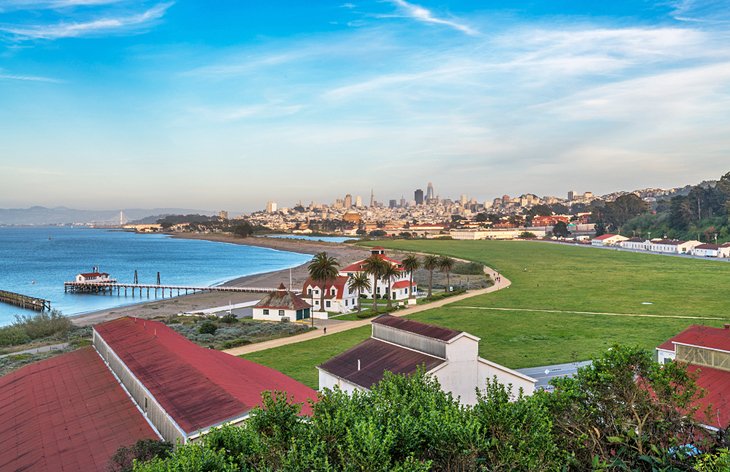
36, 350
348, 325
545, 373
640, 315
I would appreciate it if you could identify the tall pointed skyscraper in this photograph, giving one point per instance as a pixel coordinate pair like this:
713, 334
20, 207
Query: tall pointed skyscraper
429, 192
372, 198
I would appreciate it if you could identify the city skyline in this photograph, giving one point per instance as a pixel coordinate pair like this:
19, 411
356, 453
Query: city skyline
126, 103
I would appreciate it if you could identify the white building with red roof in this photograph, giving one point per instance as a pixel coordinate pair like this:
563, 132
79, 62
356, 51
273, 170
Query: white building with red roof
400, 287
94, 277
338, 297
707, 352
608, 240
282, 305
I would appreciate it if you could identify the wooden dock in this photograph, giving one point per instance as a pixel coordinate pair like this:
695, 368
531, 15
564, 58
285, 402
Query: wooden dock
24, 301
148, 290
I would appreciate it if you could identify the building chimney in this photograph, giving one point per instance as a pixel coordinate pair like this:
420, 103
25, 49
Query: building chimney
726, 326
358, 365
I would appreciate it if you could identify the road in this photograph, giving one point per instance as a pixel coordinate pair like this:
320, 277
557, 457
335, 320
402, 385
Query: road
544, 373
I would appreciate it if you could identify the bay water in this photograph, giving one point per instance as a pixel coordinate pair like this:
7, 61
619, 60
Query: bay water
36, 261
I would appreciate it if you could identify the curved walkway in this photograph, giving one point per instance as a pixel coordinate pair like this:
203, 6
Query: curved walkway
348, 325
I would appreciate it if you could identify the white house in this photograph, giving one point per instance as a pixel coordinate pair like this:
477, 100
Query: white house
400, 286
636, 244
607, 240
724, 250
686, 247
94, 277
401, 346
281, 305
664, 246
337, 298
706, 250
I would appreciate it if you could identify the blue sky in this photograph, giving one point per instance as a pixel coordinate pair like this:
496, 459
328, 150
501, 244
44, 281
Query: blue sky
228, 104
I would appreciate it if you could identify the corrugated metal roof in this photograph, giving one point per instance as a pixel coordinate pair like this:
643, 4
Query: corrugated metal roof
423, 329
66, 413
698, 335
716, 384
376, 357
197, 387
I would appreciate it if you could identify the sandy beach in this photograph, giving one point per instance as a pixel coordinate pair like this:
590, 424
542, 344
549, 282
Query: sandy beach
199, 301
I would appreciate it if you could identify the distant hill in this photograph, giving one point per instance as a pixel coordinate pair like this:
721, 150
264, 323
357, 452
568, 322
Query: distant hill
39, 215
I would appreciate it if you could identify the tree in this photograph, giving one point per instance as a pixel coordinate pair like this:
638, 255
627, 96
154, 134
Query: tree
143, 450
430, 263
207, 327
625, 411
411, 264
560, 229
374, 267
243, 230
446, 264
390, 273
322, 269
359, 282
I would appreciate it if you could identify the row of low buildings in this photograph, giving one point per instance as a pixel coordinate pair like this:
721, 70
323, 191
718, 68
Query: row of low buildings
663, 246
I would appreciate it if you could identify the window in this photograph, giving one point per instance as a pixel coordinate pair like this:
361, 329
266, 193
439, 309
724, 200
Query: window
281, 312
266, 312
328, 303
145, 404
333, 291
309, 291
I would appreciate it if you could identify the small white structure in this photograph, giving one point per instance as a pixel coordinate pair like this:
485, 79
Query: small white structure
402, 346
94, 277
608, 240
706, 250
281, 305
400, 286
337, 298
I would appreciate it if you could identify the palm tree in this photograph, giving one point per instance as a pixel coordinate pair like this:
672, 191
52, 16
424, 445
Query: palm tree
322, 269
446, 264
374, 266
359, 282
411, 264
430, 263
390, 272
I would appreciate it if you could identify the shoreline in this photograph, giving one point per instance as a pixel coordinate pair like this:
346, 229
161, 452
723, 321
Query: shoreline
200, 301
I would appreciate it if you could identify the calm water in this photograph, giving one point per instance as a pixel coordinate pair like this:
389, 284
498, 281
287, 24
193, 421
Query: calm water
37, 261
327, 239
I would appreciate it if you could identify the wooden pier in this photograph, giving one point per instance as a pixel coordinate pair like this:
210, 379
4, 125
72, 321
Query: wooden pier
24, 301
122, 289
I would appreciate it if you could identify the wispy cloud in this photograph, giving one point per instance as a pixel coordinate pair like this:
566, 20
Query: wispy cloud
28, 78
704, 11
11, 5
425, 15
106, 25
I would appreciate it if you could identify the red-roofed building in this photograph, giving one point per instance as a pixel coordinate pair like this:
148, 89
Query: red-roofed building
608, 240
337, 295
183, 389
66, 413
94, 277
707, 351
400, 287
282, 305
401, 346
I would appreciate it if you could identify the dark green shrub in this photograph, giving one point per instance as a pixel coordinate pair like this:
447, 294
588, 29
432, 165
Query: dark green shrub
207, 327
229, 318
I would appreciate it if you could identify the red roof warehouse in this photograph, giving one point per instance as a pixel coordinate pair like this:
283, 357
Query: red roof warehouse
71, 413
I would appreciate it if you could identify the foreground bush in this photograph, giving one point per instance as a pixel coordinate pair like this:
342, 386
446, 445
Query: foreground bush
28, 328
600, 420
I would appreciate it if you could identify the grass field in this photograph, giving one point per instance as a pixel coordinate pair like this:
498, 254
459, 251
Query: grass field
553, 277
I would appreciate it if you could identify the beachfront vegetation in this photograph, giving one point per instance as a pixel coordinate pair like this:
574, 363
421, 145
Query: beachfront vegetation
566, 303
223, 333
599, 420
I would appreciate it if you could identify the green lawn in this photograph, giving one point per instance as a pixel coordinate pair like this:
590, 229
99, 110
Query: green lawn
556, 277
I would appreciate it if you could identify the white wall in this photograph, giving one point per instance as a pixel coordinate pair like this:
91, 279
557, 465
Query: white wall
664, 355
505, 376
258, 314
326, 380
459, 375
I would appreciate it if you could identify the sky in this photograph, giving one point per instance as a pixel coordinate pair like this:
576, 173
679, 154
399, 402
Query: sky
229, 104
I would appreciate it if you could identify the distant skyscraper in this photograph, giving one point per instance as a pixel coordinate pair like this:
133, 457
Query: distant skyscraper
402, 201
223, 215
271, 207
358, 201
418, 196
571, 196
372, 198
463, 199
392, 203
429, 192
348, 200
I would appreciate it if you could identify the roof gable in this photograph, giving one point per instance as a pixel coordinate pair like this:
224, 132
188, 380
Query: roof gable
698, 335
415, 327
